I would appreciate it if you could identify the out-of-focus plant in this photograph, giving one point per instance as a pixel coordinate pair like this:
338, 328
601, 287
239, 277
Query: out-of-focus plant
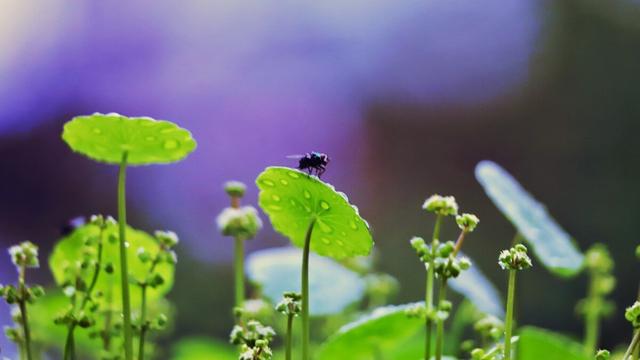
23, 256
242, 223
595, 306
290, 307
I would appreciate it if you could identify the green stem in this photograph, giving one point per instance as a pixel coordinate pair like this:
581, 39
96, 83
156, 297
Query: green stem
69, 345
124, 271
632, 346
143, 325
305, 292
509, 317
23, 311
289, 340
429, 289
442, 296
239, 271
591, 319
636, 351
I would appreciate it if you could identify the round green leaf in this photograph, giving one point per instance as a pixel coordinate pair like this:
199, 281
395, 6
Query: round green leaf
551, 244
293, 199
535, 344
332, 286
203, 349
105, 138
379, 335
68, 252
475, 286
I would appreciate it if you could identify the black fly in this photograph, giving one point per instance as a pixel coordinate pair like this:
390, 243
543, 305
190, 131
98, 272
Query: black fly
312, 162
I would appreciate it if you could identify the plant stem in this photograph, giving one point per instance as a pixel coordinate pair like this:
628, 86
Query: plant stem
22, 303
591, 319
428, 302
289, 340
239, 271
442, 296
305, 292
509, 317
69, 345
124, 271
143, 325
632, 346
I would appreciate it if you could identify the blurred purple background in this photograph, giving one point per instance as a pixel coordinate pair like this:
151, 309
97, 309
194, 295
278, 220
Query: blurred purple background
405, 97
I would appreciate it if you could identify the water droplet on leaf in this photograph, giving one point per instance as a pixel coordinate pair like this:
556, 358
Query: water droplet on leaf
170, 144
324, 205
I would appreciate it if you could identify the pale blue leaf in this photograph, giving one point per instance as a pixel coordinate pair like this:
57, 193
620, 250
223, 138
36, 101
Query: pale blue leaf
332, 287
473, 285
551, 244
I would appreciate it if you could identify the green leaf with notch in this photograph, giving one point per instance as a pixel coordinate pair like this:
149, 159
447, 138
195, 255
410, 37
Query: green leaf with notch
551, 244
536, 344
105, 137
383, 334
333, 287
293, 199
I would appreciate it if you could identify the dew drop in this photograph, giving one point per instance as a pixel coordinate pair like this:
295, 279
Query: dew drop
275, 198
268, 183
293, 174
325, 228
284, 182
97, 131
275, 207
293, 202
150, 138
353, 225
340, 243
324, 205
170, 144
343, 233
307, 195
326, 241
307, 209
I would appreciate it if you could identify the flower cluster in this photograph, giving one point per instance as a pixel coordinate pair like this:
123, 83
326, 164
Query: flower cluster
290, 304
25, 255
441, 205
242, 222
235, 189
632, 314
446, 265
489, 327
467, 222
254, 338
515, 258
599, 263
603, 355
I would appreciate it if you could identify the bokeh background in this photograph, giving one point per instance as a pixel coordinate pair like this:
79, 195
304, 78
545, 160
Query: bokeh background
406, 97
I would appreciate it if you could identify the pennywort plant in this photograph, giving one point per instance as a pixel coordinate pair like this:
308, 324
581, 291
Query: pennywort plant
127, 141
242, 223
23, 257
314, 216
254, 339
441, 262
512, 260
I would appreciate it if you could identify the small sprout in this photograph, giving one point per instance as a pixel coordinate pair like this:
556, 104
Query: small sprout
242, 222
515, 258
290, 304
167, 239
632, 314
235, 189
25, 255
441, 205
603, 355
467, 222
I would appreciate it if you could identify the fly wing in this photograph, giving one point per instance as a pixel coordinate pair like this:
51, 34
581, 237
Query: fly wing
296, 156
